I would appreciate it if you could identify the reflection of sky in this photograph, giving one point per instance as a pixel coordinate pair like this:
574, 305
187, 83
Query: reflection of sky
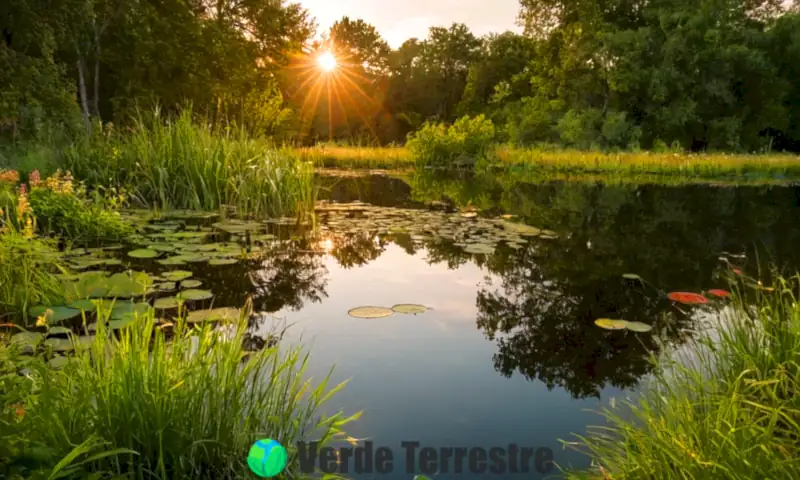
428, 377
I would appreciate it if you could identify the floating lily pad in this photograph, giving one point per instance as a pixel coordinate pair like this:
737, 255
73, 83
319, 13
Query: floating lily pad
128, 284
162, 247
176, 275
144, 253
28, 340
687, 298
719, 293
638, 327
166, 303
631, 276
213, 315
409, 308
370, 312
127, 310
193, 294
58, 331
59, 361
165, 286
54, 314
191, 283
234, 226
172, 261
85, 305
59, 344
121, 323
521, 229
479, 248
469, 214
218, 262
610, 324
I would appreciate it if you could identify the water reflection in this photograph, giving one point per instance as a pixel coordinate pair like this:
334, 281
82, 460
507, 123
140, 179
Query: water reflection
538, 303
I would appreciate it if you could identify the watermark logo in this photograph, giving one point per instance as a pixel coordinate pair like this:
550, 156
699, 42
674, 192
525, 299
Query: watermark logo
267, 458
414, 458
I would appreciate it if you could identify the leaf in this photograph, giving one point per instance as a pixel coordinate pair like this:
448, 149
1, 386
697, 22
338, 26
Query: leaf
632, 276
193, 294
190, 283
166, 303
409, 308
213, 315
611, 324
687, 298
54, 314
638, 327
176, 275
143, 253
370, 312
222, 261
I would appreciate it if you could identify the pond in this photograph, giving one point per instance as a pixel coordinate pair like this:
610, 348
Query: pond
512, 275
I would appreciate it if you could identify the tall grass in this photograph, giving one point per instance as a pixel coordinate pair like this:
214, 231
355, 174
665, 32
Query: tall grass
543, 162
179, 163
190, 406
728, 406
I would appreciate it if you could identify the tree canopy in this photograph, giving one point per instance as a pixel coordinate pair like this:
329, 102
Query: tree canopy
697, 74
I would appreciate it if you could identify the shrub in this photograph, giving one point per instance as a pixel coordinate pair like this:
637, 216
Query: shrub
725, 407
462, 144
63, 208
189, 406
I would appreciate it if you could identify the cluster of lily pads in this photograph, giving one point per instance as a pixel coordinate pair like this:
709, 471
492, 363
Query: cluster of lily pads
381, 312
466, 229
685, 298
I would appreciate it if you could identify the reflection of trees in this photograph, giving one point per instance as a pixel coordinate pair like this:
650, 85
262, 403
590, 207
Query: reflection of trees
286, 278
356, 249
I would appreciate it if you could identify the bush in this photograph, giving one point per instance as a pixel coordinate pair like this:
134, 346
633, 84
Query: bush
727, 406
63, 208
462, 144
189, 406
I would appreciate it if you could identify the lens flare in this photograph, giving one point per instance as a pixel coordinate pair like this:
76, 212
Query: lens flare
327, 62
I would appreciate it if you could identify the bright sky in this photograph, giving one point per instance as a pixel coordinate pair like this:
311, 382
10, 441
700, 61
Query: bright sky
399, 20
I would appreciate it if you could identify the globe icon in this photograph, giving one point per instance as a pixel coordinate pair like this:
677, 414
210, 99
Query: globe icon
267, 458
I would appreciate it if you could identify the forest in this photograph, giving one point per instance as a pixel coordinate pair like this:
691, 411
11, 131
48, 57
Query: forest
699, 75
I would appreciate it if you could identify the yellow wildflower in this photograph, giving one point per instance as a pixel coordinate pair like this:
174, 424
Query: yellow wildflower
28, 231
42, 320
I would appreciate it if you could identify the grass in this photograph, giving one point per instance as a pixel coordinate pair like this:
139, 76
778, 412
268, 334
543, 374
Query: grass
727, 406
540, 162
179, 163
188, 405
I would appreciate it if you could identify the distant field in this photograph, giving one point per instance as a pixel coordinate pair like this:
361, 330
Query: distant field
708, 166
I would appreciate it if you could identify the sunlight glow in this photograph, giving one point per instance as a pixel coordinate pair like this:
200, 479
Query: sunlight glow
327, 245
327, 62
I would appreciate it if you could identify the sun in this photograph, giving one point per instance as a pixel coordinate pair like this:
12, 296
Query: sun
327, 62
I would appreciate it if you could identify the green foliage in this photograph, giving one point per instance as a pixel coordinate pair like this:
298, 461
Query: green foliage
723, 407
180, 163
465, 142
27, 266
189, 406
70, 214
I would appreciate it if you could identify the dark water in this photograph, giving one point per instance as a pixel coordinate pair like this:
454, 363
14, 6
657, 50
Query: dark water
509, 354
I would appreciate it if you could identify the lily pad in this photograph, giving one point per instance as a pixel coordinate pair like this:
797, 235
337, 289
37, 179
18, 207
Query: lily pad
129, 310
166, 303
165, 286
59, 344
85, 305
234, 226
687, 298
121, 323
58, 331
213, 315
479, 248
217, 262
162, 247
171, 261
610, 324
193, 294
631, 276
128, 284
28, 340
59, 361
143, 253
54, 313
370, 312
409, 308
176, 275
191, 283
638, 327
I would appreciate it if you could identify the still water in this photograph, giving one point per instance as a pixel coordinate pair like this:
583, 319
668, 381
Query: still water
508, 353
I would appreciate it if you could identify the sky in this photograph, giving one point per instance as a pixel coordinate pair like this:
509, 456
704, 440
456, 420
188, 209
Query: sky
399, 20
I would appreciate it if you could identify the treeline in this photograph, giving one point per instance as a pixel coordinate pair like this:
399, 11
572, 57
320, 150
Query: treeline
607, 74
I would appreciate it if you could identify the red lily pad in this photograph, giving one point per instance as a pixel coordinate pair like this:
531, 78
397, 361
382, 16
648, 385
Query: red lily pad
719, 293
687, 298
737, 272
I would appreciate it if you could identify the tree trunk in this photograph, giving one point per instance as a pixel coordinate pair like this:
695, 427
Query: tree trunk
82, 91
96, 82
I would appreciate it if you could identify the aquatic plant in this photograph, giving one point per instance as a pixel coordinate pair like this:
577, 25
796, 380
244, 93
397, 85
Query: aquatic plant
724, 406
179, 163
189, 404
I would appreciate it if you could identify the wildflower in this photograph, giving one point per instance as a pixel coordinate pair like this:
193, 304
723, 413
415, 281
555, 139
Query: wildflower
42, 320
35, 179
9, 176
19, 410
28, 231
